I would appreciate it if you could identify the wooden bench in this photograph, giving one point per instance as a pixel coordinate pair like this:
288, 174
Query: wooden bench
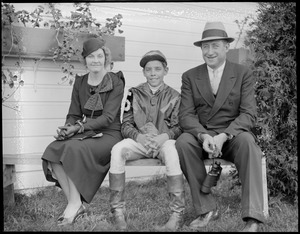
10, 160
9, 172
208, 162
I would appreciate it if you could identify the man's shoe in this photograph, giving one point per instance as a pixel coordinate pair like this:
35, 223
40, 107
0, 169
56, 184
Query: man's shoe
251, 226
203, 220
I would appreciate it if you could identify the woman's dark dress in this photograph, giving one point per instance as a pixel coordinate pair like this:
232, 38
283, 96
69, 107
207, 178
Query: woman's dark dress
87, 161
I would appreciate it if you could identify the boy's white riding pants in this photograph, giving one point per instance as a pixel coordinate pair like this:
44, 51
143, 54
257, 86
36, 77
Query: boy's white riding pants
128, 149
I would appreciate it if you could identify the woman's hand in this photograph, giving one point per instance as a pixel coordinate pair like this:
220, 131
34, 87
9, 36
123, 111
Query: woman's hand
65, 132
69, 130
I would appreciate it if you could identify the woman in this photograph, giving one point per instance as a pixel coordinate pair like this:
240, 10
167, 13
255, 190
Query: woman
79, 159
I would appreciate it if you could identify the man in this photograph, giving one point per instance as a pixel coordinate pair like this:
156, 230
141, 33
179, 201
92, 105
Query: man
217, 111
150, 127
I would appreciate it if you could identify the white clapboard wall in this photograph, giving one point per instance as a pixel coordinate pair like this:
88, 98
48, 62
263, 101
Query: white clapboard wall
169, 27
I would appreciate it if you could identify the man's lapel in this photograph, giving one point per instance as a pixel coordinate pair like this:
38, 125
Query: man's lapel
203, 84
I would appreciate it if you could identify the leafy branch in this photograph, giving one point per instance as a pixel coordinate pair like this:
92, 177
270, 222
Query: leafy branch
14, 81
241, 25
80, 22
68, 30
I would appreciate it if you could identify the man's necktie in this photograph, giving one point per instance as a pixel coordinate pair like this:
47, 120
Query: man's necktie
214, 82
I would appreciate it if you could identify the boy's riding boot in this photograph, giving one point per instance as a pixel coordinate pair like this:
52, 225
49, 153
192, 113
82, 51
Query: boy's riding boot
117, 202
177, 203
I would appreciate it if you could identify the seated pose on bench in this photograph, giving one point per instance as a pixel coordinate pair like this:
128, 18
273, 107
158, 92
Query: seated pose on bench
79, 159
150, 127
217, 111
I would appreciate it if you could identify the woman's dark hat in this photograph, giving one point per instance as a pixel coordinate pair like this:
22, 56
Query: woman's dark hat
91, 45
151, 56
214, 31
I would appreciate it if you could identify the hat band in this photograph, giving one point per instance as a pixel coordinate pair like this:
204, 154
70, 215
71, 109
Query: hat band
214, 33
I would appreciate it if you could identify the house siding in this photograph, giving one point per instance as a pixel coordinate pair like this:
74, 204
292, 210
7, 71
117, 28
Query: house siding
43, 102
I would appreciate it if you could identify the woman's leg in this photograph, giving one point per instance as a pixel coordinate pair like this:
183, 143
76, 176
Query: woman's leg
69, 189
74, 202
62, 178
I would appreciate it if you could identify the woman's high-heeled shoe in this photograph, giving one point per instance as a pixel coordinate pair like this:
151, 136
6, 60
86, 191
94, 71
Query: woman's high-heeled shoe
64, 221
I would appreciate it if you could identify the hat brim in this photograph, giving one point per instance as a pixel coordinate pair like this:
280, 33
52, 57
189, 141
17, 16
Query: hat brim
153, 57
199, 43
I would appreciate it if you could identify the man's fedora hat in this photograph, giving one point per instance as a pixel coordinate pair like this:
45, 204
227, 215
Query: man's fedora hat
213, 31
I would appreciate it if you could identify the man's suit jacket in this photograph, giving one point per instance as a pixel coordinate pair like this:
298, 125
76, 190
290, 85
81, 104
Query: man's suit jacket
232, 111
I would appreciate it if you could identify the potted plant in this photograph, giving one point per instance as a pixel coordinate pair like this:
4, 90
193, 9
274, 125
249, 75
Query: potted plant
240, 55
30, 35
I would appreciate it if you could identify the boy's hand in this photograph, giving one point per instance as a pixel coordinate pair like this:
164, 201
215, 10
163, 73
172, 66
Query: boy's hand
144, 140
156, 141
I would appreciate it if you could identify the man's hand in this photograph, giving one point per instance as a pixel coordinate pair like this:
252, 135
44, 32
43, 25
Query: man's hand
208, 143
219, 141
217, 153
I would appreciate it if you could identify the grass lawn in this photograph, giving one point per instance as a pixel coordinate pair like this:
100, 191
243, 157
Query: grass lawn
147, 206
